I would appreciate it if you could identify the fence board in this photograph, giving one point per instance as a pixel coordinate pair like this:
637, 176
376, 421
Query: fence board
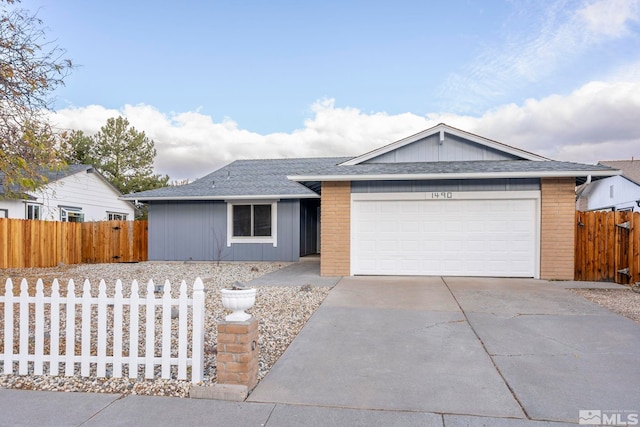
29, 243
607, 248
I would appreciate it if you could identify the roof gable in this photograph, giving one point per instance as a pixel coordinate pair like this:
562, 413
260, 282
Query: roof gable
50, 176
630, 168
443, 143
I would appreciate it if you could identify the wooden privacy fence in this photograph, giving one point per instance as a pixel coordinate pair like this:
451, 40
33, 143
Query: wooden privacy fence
608, 246
32, 243
45, 328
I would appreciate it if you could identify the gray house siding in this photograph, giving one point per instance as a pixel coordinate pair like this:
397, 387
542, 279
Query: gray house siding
431, 149
197, 231
515, 184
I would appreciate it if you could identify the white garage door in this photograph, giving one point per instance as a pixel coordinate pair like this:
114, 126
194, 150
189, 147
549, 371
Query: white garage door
457, 236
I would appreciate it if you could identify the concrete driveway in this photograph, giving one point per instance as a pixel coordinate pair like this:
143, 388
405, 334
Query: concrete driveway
506, 348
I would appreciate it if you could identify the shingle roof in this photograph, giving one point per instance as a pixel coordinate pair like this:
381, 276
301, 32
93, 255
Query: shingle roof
447, 170
245, 178
277, 177
630, 168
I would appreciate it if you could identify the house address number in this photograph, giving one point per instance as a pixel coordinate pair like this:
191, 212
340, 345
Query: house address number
442, 195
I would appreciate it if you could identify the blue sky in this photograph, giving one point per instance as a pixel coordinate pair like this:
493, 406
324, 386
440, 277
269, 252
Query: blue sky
212, 81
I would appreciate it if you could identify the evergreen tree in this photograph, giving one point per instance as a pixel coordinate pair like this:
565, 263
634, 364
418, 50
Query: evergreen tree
121, 153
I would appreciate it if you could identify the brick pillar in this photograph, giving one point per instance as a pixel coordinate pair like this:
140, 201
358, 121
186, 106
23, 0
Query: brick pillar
557, 228
237, 360
335, 226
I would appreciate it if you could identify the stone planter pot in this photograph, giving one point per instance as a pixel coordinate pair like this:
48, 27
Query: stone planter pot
238, 300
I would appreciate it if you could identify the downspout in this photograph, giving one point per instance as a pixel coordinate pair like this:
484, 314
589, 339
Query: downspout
584, 187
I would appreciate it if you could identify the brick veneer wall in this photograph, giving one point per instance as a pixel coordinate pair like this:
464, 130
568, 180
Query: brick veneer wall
557, 228
237, 358
335, 234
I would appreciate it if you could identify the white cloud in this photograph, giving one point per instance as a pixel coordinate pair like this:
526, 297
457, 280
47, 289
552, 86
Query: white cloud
598, 121
609, 17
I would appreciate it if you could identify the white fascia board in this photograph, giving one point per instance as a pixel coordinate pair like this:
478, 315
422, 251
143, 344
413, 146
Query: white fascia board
223, 198
465, 175
452, 131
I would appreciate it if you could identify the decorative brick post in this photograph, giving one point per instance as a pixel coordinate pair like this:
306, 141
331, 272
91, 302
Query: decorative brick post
237, 360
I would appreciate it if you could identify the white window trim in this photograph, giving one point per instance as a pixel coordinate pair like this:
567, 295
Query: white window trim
64, 212
4, 213
26, 212
123, 215
273, 239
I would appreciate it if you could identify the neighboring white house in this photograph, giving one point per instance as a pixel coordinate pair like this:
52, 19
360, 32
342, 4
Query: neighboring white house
76, 194
621, 193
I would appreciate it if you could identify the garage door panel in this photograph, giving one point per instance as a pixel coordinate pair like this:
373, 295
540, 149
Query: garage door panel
445, 237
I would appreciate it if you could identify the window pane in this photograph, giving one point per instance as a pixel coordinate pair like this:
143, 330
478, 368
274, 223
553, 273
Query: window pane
33, 212
242, 220
75, 216
262, 220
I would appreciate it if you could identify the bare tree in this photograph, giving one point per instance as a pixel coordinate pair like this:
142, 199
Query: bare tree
31, 68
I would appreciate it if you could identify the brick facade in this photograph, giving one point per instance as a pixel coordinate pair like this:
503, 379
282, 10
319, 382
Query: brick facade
237, 359
557, 228
557, 233
335, 220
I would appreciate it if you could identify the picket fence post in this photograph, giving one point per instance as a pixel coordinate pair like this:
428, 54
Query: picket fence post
198, 331
8, 326
96, 355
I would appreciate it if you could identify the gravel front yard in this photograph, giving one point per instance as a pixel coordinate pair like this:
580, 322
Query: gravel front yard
282, 312
622, 301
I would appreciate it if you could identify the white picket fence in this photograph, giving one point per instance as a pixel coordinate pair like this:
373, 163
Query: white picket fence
48, 321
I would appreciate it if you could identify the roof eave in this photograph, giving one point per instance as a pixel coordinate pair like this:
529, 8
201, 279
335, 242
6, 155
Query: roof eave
222, 198
464, 175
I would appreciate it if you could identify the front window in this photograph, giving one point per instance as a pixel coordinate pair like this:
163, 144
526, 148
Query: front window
115, 216
71, 215
251, 220
252, 223
34, 211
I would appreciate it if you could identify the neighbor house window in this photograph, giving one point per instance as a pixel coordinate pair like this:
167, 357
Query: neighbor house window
71, 215
115, 216
252, 223
4, 213
34, 211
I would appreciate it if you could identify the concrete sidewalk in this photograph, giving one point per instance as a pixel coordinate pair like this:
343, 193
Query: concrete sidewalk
40, 408
305, 272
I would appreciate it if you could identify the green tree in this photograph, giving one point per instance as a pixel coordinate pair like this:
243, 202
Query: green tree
123, 155
77, 148
31, 68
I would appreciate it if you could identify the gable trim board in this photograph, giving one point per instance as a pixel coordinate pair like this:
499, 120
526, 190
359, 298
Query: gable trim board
442, 129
